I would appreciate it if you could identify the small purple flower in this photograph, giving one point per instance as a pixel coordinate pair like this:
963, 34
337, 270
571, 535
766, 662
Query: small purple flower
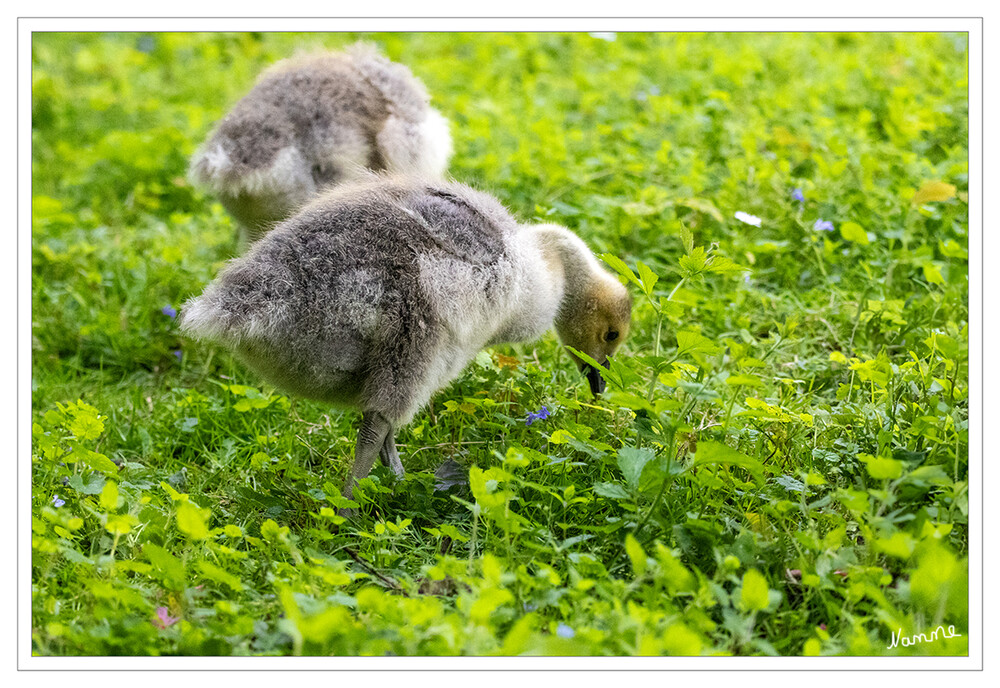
169, 310
797, 195
177, 353
564, 631
823, 225
163, 618
542, 414
56, 502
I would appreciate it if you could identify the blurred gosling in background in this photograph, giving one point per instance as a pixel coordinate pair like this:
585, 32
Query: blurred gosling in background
316, 121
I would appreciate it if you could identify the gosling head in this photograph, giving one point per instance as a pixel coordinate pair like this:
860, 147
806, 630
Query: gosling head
595, 321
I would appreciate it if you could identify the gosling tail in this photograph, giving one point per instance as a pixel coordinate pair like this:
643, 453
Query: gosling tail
241, 304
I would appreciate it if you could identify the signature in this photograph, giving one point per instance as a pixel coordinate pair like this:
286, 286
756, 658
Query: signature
922, 638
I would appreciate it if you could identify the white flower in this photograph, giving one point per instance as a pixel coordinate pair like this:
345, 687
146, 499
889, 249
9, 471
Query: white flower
747, 218
603, 35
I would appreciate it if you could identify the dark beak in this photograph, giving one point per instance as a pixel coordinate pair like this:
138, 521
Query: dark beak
597, 383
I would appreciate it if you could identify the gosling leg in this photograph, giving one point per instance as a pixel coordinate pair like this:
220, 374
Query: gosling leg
371, 438
390, 457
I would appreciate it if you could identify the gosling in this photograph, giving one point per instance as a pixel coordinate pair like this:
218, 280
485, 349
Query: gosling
377, 295
313, 122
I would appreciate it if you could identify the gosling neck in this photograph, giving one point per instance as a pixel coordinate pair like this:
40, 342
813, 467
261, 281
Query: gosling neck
571, 264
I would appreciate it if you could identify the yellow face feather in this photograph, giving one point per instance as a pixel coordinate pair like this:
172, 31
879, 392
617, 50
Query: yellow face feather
598, 326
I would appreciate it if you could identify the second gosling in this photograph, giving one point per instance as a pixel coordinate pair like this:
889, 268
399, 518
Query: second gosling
315, 121
378, 294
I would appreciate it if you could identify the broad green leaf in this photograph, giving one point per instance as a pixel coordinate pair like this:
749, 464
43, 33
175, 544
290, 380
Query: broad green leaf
952, 249
619, 266
928, 475
220, 575
521, 636
754, 593
628, 400
635, 554
334, 497
96, 461
109, 496
647, 277
247, 404
560, 436
611, 491
484, 486
239, 390
487, 602
693, 262
935, 575
674, 574
852, 231
631, 461
533, 455
724, 266
694, 342
272, 532
900, 545
170, 569
93, 486
328, 514
815, 479
933, 191
744, 380
687, 238
192, 520
932, 273
882, 468
85, 423
681, 641
120, 524
711, 452
948, 346
855, 500
515, 458
174, 494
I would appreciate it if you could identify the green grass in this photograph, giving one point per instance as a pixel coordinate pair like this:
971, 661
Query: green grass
779, 466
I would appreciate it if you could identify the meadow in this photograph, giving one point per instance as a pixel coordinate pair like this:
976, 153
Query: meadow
779, 465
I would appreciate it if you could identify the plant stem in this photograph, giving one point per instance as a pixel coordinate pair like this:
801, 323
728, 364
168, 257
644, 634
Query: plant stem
667, 479
674, 291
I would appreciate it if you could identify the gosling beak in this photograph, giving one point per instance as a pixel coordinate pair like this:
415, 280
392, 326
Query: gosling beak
597, 383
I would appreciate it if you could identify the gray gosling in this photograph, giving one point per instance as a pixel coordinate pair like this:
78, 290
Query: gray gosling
378, 294
313, 122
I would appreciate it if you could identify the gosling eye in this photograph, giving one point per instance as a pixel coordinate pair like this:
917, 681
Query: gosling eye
611, 336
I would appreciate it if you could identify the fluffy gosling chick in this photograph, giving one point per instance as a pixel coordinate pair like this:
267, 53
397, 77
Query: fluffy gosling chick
315, 121
378, 294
